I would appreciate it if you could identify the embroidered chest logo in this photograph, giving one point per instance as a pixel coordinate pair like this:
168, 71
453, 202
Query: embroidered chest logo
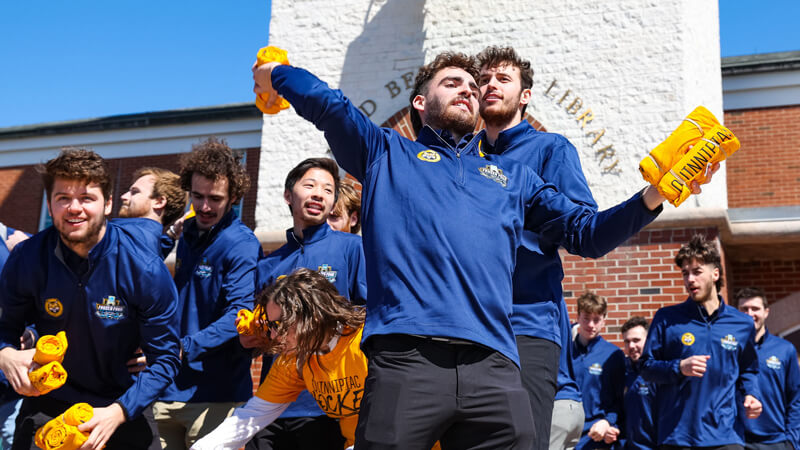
774, 363
494, 173
687, 339
429, 156
204, 269
728, 342
327, 272
53, 307
644, 389
596, 369
111, 308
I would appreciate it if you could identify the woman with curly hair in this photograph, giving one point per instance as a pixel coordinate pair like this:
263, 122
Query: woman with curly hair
316, 333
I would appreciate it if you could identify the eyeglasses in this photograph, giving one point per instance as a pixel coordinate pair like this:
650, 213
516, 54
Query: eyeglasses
273, 325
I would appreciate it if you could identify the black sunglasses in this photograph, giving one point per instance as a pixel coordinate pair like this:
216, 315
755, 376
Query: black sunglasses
273, 325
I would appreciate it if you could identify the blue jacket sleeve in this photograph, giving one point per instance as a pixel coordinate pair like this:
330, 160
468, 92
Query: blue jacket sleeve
748, 368
563, 170
793, 397
15, 299
239, 280
579, 228
355, 141
158, 326
358, 289
656, 367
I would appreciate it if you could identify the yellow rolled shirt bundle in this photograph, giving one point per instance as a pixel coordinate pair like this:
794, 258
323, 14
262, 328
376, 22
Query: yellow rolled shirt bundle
247, 325
49, 355
267, 55
672, 165
61, 433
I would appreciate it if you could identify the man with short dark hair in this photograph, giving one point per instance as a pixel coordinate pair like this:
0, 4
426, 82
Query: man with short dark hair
639, 430
701, 354
441, 230
310, 192
600, 371
778, 426
89, 283
153, 202
215, 276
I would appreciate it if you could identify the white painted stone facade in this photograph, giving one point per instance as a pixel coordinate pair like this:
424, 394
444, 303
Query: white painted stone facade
639, 65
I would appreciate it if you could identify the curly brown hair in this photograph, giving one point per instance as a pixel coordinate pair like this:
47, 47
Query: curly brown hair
494, 56
704, 252
311, 304
76, 164
168, 185
428, 71
213, 159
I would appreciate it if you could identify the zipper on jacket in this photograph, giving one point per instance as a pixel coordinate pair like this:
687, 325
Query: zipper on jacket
300, 244
460, 177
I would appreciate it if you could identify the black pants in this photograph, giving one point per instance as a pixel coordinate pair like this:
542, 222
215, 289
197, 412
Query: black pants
140, 433
419, 391
299, 433
718, 447
785, 445
539, 372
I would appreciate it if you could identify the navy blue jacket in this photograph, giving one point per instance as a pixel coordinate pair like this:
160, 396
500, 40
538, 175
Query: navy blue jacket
538, 274
442, 223
125, 300
215, 275
779, 382
149, 233
566, 386
600, 373
700, 411
639, 431
337, 255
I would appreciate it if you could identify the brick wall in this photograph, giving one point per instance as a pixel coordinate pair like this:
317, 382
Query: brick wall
778, 278
21, 189
635, 279
766, 171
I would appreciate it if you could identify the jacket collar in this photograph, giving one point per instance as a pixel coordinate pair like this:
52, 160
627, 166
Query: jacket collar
701, 313
310, 235
195, 238
442, 138
506, 138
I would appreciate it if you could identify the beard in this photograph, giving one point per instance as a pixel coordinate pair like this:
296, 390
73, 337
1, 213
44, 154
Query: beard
92, 231
129, 211
500, 114
442, 118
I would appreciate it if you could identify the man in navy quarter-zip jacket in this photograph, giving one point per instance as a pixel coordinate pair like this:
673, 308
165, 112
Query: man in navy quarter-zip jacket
215, 276
778, 426
639, 428
153, 202
701, 355
442, 222
311, 190
88, 282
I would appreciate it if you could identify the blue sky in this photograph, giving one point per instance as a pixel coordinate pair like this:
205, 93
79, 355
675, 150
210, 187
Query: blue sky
63, 60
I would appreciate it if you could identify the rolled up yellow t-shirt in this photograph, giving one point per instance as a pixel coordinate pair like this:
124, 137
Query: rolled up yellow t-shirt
661, 159
715, 146
48, 377
50, 348
61, 433
247, 323
266, 55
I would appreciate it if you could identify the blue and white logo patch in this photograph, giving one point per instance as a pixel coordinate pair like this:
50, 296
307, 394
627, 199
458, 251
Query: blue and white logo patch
494, 173
327, 271
774, 363
644, 389
111, 308
596, 369
728, 342
204, 269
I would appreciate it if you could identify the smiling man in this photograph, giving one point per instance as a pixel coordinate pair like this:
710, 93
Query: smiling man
84, 276
310, 192
778, 426
639, 430
701, 353
442, 222
215, 276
